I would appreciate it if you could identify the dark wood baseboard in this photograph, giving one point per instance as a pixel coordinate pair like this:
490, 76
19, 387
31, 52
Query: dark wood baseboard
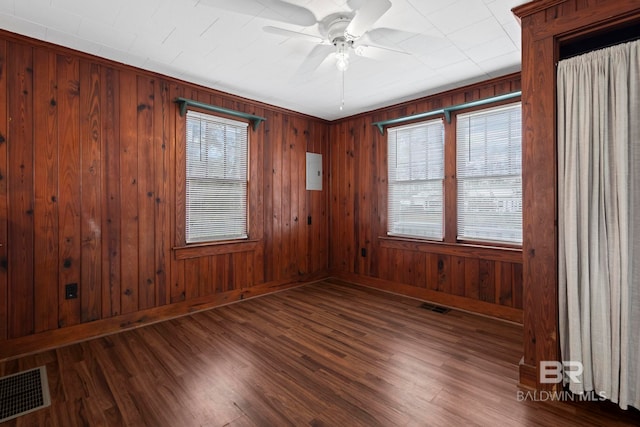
47, 340
453, 301
528, 375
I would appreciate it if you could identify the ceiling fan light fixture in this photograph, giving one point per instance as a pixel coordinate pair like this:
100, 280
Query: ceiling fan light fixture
342, 56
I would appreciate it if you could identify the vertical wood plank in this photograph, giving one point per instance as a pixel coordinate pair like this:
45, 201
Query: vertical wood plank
91, 191
255, 180
221, 273
257, 197
206, 286
486, 281
383, 268
239, 267
346, 241
505, 289
335, 213
268, 188
321, 206
46, 190
444, 273
20, 190
367, 210
277, 192
472, 278
4, 214
285, 200
431, 260
215, 285
180, 136
398, 266
517, 286
294, 215
129, 192
178, 130
146, 193
248, 280
356, 264
70, 186
229, 273
457, 275
192, 278
408, 274
162, 161
324, 200
111, 236
379, 217
178, 287
303, 266
420, 270
349, 201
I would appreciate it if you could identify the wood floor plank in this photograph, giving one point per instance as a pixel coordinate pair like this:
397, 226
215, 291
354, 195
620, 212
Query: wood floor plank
324, 354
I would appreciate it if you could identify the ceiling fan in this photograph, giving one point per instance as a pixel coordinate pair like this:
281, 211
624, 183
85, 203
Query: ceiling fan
341, 33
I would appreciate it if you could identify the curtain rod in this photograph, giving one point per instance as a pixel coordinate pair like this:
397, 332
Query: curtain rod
184, 103
446, 111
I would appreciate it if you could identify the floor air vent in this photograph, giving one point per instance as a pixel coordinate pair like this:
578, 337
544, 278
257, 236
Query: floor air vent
435, 308
23, 392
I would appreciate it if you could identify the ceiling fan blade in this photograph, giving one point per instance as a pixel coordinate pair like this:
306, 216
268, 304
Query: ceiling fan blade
375, 52
277, 10
288, 33
290, 13
368, 13
388, 36
315, 58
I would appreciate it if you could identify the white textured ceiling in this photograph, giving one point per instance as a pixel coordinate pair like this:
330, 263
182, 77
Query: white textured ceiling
449, 44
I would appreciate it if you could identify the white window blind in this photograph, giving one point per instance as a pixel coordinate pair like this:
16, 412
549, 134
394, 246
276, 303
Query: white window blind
415, 179
489, 174
216, 178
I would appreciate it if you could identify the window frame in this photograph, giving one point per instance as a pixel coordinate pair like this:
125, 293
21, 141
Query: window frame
226, 170
487, 108
182, 248
450, 210
416, 182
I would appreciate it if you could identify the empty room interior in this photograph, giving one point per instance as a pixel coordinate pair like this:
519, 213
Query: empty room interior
319, 212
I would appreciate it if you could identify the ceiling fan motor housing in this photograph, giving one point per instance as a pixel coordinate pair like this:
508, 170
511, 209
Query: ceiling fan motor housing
336, 29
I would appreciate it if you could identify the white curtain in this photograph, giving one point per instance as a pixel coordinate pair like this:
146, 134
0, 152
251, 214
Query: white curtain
599, 220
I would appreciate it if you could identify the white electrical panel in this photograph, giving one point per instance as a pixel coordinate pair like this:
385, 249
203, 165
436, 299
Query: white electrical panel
314, 171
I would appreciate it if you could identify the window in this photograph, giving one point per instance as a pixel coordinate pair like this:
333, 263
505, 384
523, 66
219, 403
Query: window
415, 177
489, 169
478, 177
216, 178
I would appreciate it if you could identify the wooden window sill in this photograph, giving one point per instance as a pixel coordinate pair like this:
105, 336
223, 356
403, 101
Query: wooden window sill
497, 253
214, 248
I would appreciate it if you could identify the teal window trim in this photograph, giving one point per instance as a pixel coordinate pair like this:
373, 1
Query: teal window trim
184, 103
445, 111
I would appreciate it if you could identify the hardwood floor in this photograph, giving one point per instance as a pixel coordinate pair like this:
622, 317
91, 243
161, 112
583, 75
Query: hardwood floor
319, 355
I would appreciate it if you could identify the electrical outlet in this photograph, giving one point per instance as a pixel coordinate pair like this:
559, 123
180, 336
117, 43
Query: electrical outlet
71, 291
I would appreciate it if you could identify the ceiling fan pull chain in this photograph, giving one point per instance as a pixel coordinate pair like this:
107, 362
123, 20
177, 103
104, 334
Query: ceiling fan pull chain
342, 95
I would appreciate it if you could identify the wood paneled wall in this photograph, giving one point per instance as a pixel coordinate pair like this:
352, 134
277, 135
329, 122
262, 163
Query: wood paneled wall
486, 280
89, 179
545, 25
